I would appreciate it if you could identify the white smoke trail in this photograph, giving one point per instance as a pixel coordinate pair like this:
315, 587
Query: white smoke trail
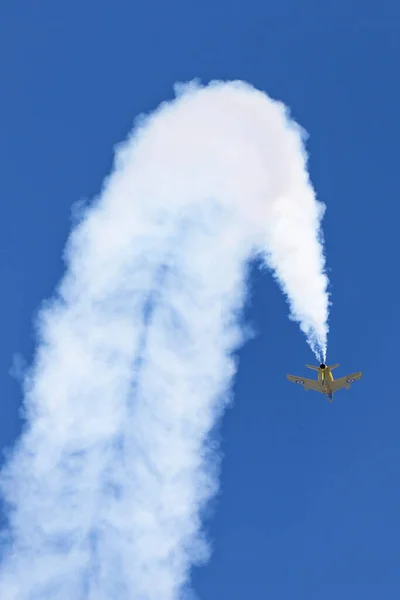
134, 362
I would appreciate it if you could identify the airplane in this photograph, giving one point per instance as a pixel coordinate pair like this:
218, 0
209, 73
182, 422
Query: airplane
325, 384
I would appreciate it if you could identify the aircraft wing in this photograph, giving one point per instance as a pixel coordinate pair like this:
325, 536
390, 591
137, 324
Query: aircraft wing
307, 384
346, 382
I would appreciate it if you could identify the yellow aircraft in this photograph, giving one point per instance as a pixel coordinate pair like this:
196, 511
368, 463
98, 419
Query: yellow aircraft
325, 384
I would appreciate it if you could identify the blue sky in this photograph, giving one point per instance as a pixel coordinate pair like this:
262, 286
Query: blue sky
309, 491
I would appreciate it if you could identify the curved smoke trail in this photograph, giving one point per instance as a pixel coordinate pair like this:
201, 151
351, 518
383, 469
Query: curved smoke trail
134, 361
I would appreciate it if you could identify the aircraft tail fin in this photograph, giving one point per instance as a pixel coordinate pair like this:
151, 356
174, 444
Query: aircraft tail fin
334, 366
312, 367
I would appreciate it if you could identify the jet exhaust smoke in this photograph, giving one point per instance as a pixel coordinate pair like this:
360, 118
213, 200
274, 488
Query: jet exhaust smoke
134, 363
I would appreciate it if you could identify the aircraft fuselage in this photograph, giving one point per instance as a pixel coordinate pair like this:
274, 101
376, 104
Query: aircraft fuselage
325, 378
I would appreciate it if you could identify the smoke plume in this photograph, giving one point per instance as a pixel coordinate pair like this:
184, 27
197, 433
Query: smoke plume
134, 363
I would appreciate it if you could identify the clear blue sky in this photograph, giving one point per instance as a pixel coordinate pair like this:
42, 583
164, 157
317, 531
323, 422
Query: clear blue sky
310, 492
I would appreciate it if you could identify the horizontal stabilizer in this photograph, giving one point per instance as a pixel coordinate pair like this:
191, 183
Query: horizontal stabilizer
312, 367
334, 366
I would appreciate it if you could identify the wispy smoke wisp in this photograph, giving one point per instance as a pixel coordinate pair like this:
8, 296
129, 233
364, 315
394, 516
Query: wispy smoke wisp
134, 361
